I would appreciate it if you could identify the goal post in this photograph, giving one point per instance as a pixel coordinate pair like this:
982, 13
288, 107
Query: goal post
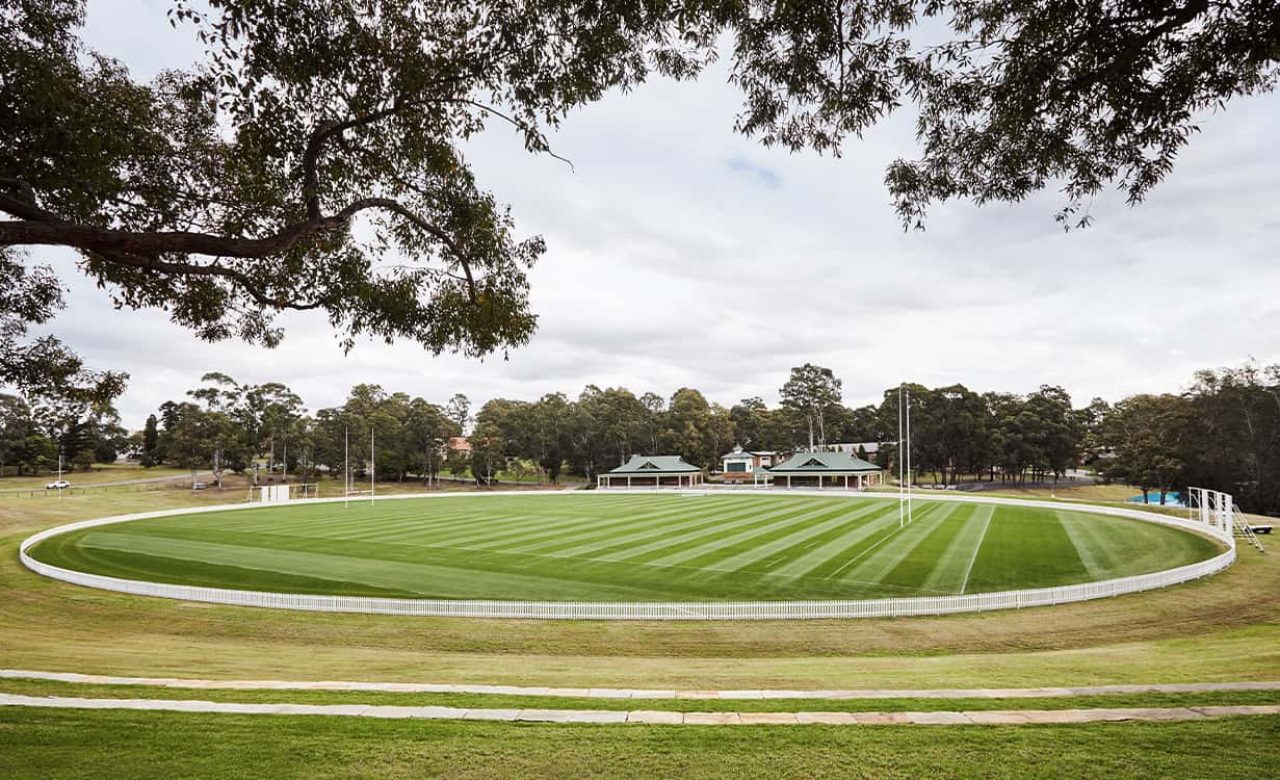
1213, 508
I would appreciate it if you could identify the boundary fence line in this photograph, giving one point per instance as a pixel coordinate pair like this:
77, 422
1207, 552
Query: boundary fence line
666, 610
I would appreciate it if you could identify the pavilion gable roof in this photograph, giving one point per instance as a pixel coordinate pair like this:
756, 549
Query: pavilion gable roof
823, 462
655, 464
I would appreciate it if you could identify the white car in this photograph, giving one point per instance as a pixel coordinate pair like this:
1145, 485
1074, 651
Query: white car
59, 485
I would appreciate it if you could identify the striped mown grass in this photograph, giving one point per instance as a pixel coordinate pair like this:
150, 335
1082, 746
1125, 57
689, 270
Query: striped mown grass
629, 547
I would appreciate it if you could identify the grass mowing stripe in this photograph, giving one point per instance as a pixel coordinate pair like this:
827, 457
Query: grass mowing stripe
663, 527
450, 581
338, 524
593, 527
514, 516
875, 569
137, 565
1081, 539
714, 551
779, 562
791, 543
321, 518
408, 529
521, 526
1137, 547
366, 568
836, 549
1022, 545
866, 549
950, 561
977, 547
595, 545
923, 561
712, 529
718, 539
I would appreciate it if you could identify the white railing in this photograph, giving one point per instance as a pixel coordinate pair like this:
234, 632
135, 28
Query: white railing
689, 610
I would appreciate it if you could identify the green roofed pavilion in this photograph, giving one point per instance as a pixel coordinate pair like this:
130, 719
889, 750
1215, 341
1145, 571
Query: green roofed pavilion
808, 467
654, 471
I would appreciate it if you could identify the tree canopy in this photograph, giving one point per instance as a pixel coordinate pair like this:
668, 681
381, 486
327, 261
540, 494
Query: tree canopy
312, 158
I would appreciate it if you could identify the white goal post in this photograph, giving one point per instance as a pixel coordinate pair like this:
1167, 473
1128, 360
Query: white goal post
1213, 508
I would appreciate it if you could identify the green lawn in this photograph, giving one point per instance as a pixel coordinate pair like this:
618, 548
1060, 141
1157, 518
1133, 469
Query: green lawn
112, 744
632, 547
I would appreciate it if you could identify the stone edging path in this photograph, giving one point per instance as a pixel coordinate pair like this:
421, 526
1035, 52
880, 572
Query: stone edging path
637, 693
653, 717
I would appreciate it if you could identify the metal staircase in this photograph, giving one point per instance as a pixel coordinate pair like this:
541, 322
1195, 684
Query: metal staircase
1243, 527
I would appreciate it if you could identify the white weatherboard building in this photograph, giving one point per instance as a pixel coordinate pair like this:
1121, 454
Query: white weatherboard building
740, 465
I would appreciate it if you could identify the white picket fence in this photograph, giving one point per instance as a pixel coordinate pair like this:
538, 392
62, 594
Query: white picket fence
689, 610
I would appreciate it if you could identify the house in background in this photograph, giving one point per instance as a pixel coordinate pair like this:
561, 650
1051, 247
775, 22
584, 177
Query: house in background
740, 465
653, 471
460, 445
867, 450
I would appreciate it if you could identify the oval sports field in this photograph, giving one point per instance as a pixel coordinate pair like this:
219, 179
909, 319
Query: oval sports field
636, 547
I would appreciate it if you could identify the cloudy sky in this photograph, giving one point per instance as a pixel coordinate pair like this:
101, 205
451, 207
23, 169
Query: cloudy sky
681, 254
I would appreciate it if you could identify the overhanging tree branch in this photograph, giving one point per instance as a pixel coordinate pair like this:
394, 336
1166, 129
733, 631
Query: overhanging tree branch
143, 250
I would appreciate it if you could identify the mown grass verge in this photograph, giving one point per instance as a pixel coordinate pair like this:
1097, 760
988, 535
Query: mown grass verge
113, 744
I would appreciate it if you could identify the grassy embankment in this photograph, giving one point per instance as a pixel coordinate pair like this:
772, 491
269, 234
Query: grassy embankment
1224, 628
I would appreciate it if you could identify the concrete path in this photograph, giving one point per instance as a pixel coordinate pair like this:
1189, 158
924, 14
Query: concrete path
638, 693
654, 717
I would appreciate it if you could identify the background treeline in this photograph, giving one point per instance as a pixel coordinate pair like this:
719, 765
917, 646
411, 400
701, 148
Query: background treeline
1223, 432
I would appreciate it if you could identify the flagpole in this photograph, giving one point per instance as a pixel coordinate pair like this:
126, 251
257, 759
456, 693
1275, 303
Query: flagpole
346, 468
373, 467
